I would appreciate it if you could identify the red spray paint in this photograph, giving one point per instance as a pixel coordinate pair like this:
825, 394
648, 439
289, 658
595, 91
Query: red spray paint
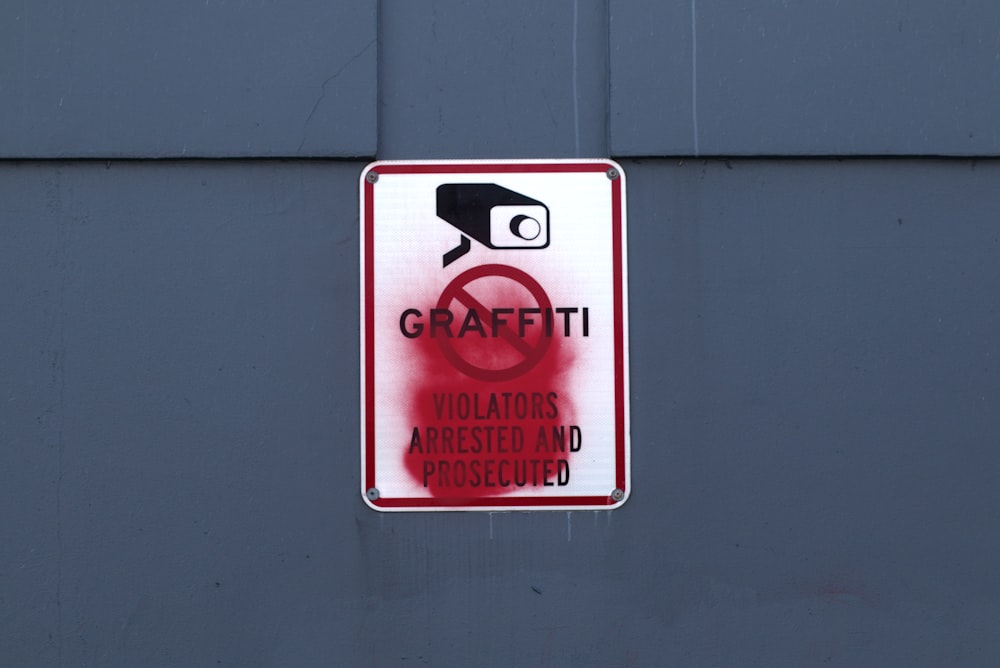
490, 407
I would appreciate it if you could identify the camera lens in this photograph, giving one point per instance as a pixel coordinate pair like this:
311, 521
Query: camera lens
525, 227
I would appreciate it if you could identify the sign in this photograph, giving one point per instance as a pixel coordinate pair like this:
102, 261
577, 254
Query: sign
494, 335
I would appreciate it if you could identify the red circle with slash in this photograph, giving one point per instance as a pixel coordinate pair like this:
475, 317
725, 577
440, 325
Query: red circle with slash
526, 354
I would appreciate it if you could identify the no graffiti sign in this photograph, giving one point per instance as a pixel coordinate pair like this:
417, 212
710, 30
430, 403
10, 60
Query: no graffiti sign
494, 335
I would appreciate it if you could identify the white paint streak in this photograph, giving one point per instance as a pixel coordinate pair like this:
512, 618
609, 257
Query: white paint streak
694, 75
491, 526
576, 98
569, 527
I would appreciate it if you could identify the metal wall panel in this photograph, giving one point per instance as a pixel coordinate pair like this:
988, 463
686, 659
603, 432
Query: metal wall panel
804, 78
214, 78
814, 386
179, 413
814, 348
493, 80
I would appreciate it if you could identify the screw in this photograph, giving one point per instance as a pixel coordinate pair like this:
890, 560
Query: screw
617, 494
372, 177
612, 173
372, 492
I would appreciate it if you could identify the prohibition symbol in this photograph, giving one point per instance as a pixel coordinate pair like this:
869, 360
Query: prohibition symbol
513, 355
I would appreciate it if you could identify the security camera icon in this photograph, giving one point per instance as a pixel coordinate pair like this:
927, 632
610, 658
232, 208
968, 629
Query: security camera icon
495, 216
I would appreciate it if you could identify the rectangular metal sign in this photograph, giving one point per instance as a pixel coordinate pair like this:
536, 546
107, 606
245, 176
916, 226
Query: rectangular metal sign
495, 333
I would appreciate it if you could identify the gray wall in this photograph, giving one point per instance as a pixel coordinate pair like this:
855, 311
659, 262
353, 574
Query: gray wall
815, 387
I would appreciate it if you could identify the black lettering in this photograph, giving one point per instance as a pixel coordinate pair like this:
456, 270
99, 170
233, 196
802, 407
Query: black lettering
502, 479
415, 444
439, 403
496, 321
534, 472
559, 438
441, 318
493, 410
541, 441
516, 439
506, 405
415, 329
521, 476
547, 472
520, 405
458, 471
447, 446
472, 322
536, 405
566, 311
441, 322
562, 477
575, 438
523, 320
553, 411
444, 469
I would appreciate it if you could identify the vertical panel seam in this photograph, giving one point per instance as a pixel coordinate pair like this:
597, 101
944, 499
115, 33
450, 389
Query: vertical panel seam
378, 78
576, 96
694, 76
607, 77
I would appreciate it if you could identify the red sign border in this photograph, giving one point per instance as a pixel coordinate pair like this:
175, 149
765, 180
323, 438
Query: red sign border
497, 502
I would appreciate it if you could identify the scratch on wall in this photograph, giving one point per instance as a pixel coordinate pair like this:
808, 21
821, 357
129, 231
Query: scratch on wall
323, 91
58, 385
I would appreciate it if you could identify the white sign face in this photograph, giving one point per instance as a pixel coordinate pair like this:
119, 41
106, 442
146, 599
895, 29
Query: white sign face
494, 342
